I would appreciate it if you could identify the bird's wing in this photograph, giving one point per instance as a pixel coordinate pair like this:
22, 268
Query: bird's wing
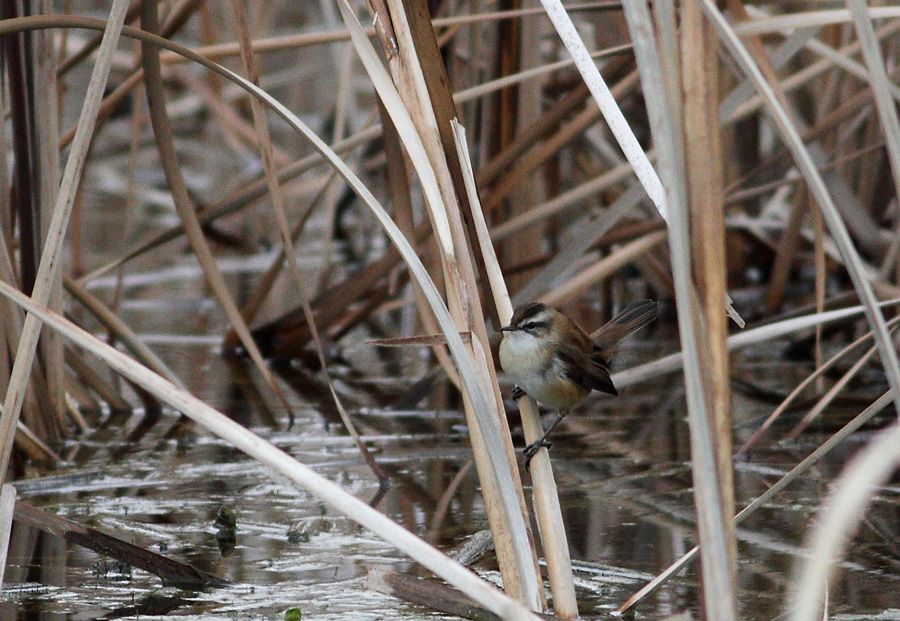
589, 372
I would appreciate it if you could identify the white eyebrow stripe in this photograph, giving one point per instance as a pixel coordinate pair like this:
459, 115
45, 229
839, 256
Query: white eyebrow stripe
541, 317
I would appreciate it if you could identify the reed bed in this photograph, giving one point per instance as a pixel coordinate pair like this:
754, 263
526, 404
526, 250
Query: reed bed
447, 161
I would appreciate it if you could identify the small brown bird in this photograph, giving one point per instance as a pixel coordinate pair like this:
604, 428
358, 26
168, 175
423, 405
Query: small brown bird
550, 358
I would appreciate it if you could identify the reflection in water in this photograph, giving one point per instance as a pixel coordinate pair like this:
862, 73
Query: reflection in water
623, 469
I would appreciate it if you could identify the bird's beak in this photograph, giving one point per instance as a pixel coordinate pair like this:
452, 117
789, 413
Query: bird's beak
507, 329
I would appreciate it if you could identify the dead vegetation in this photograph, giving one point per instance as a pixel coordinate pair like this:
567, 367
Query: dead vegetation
420, 169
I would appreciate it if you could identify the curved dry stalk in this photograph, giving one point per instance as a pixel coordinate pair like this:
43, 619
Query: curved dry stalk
458, 351
839, 517
51, 257
266, 453
246, 195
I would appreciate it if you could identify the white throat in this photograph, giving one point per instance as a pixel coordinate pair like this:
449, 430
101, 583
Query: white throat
520, 355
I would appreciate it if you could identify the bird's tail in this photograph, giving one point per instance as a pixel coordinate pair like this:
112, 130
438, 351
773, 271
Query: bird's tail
632, 318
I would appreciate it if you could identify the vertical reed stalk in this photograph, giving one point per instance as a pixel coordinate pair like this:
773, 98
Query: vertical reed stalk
47, 139
670, 117
704, 180
409, 49
545, 496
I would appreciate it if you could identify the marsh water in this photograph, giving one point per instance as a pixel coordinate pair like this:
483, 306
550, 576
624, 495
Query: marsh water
622, 467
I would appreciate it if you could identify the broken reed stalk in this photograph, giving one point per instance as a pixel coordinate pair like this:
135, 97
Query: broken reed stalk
52, 254
545, 496
416, 126
270, 455
172, 573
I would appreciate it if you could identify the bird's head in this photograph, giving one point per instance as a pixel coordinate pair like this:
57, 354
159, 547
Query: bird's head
534, 320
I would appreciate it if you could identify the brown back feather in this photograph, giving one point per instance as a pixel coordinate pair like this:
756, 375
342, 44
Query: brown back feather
589, 372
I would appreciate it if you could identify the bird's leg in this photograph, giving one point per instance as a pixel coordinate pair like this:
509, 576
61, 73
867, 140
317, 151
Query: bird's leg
532, 448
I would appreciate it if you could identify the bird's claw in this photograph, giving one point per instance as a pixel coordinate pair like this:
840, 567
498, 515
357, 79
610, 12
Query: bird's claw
517, 393
532, 449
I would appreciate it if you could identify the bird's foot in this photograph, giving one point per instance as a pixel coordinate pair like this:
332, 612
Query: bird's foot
532, 449
517, 393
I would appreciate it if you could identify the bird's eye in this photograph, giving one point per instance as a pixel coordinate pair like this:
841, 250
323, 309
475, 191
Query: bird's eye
531, 325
